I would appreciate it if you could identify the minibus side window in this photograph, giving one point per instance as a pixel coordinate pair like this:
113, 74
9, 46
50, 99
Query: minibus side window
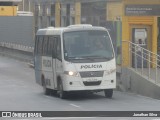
50, 50
45, 42
36, 45
40, 43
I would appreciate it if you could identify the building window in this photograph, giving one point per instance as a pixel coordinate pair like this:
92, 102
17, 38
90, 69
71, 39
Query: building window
93, 13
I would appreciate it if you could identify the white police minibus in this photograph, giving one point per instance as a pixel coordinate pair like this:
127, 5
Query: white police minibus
75, 58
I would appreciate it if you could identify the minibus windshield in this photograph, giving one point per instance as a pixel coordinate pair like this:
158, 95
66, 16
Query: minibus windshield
87, 44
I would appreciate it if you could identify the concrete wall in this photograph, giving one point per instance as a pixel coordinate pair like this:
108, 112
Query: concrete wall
134, 82
17, 32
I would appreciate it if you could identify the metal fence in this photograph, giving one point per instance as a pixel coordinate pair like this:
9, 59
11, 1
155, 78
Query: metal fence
143, 61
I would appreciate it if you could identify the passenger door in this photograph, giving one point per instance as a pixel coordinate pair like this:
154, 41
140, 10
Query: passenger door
51, 53
58, 62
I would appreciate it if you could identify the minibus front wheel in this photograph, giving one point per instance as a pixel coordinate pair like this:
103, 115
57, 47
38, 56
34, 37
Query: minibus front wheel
108, 93
61, 92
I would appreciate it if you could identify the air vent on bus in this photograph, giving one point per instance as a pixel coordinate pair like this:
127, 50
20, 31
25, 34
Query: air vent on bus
80, 25
92, 83
50, 27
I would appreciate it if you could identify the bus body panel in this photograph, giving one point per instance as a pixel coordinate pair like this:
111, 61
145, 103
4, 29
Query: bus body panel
106, 69
47, 71
53, 69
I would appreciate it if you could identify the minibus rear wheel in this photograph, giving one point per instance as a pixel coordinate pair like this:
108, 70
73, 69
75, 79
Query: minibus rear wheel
45, 90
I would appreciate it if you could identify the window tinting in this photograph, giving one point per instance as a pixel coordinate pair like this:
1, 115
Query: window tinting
45, 44
51, 46
40, 42
36, 45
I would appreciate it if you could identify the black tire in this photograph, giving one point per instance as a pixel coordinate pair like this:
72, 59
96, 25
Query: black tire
46, 91
108, 93
62, 94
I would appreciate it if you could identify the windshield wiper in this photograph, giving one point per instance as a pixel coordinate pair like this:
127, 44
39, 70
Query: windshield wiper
92, 58
76, 58
98, 57
88, 57
108, 58
81, 58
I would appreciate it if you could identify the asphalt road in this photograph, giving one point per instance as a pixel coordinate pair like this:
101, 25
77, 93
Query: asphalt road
19, 92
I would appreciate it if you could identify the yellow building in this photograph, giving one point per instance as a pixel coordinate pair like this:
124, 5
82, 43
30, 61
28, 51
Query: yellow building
127, 19
9, 7
139, 17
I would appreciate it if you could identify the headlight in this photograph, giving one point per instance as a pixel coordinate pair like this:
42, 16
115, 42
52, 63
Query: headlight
71, 73
107, 72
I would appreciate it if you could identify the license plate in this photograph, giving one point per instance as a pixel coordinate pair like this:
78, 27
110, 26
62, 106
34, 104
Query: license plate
91, 80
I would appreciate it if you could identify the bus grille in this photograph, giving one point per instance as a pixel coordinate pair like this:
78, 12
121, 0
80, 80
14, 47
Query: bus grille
92, 83
91, 74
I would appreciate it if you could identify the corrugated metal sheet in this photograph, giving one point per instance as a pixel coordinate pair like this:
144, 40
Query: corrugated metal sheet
17, 30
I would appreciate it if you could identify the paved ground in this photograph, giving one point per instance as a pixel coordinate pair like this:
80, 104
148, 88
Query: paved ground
19, 92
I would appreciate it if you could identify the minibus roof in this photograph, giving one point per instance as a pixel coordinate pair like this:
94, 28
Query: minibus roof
60, 30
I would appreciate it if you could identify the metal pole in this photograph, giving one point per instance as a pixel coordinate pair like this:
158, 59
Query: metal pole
149, 66
129, 52
136, 57
156, 69
23, 5
29, 5
142, 61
